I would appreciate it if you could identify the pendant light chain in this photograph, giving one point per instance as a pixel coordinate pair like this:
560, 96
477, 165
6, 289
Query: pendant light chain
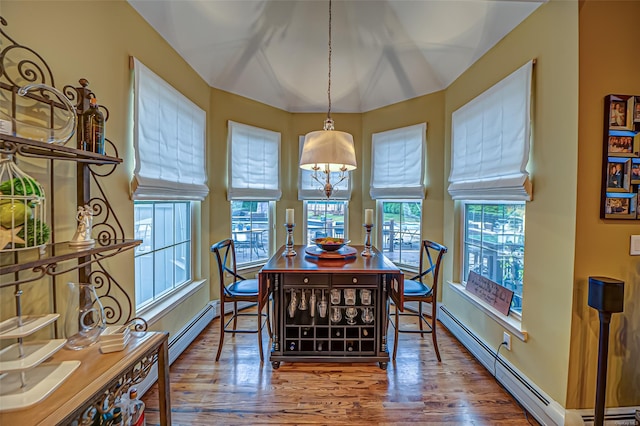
329, 86
328, 123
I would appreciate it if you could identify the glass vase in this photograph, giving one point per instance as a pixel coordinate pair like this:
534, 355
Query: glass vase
84, 319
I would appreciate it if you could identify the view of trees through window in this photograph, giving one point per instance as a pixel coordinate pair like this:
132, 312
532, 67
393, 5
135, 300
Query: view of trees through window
401, 231
250, 230
494, 245
325, 219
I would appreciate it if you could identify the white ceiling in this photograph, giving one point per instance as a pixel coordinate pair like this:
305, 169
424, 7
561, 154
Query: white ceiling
383, 52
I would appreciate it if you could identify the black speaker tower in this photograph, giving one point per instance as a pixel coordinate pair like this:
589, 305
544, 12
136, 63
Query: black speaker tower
607, 296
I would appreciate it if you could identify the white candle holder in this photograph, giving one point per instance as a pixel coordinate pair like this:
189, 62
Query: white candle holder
289, 251
367, 241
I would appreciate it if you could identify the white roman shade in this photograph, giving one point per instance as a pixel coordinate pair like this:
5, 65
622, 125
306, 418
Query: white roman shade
169, 141
310, 189
398, 163
254, 163
490, 142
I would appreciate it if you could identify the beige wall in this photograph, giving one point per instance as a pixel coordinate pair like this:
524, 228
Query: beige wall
550, 35
429, 109
609, 64
93, 40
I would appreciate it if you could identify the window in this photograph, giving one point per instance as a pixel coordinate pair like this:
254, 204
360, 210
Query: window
250, 225
325, 218
169, 177
163, 260
494, 245
490, 142
401, 231
254, 186
398, 159
489, 159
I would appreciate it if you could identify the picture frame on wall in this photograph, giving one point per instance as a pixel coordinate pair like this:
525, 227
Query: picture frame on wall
635, 171
620, 188
621, 113
619, 174
622, 143
621, 206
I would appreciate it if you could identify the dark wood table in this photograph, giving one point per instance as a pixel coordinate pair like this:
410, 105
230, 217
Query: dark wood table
352, 327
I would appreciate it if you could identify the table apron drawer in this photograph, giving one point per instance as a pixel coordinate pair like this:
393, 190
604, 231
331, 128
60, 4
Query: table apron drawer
305, 279
354, 279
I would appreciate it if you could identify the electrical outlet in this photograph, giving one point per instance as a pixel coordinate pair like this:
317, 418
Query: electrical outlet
506, 339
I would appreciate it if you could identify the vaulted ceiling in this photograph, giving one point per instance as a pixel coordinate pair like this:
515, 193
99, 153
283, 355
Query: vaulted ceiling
383, 51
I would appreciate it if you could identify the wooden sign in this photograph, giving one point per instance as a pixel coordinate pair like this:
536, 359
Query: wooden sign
490, 292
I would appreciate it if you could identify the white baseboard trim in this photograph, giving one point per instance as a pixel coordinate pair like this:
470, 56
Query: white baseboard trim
545, 410
614, 416
181, 341
541, 406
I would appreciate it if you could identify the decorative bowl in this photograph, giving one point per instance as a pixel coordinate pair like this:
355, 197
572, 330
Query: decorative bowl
330, 243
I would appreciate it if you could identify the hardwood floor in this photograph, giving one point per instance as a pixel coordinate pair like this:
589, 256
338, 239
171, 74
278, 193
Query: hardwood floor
416, 389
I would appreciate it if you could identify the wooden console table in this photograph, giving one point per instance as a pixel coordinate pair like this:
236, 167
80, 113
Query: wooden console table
352, 324
98, 378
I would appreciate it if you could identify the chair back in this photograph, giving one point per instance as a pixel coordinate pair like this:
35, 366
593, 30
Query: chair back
226, 257
431, 255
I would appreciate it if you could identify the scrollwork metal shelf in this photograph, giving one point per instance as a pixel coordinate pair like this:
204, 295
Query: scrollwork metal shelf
54, 254
30, 148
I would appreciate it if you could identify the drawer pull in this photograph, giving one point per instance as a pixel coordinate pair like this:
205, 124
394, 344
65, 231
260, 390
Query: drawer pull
355, 280
305, 280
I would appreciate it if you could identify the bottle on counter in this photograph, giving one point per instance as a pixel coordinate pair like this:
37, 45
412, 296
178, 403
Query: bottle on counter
93, 129
117, 417
136, 409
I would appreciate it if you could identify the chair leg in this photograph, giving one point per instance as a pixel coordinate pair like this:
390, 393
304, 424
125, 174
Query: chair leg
420, 318
434, 324
260, 337
221, 341
395, 333
235, 315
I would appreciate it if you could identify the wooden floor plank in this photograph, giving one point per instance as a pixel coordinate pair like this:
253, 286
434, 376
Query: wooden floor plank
416, 389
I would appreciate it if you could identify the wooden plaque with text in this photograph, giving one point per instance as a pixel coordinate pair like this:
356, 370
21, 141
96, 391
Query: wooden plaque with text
490, 292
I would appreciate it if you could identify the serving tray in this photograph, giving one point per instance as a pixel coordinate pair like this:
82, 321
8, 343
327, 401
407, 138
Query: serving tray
33, 354
345, 252
9, 329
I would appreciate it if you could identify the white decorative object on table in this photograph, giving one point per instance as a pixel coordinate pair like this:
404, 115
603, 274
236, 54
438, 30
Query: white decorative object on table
82, 237
368, 216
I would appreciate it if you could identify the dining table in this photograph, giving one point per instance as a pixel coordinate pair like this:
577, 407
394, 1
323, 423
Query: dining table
330, 306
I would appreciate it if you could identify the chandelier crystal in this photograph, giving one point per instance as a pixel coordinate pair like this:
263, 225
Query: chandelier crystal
328, 150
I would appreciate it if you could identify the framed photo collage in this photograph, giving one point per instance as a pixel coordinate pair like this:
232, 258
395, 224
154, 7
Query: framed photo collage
621, 158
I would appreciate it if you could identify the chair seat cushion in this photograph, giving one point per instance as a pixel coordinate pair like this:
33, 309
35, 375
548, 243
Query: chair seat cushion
415, 288
244, 287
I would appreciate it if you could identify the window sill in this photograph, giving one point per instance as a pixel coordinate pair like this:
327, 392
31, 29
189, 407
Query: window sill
512, 324
160, 308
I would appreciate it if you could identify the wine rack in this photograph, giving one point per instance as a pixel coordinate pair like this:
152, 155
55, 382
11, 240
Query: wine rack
330, 332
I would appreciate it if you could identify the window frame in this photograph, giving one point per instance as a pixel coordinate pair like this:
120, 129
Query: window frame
268, 244
305, 225
463, 282
188, 285
380, 230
